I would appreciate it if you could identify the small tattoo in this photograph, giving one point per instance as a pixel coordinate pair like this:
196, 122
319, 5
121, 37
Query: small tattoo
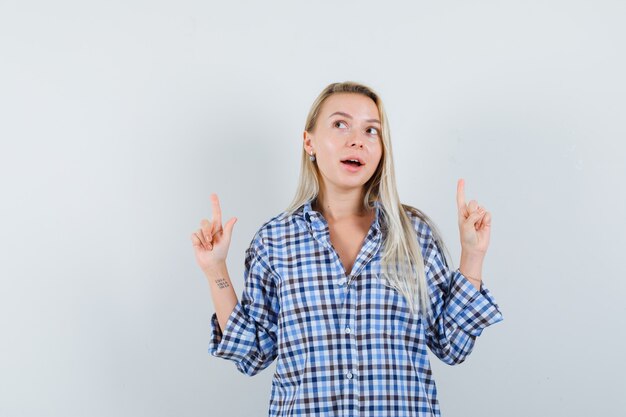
222, 283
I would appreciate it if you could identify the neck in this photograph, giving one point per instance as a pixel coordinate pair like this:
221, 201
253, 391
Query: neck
337, 206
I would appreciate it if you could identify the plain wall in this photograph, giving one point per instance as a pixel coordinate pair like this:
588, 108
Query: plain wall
119, 118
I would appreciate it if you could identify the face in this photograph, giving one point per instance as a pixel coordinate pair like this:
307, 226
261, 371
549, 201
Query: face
347, 127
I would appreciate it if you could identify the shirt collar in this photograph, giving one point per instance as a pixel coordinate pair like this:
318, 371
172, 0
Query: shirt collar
318, 222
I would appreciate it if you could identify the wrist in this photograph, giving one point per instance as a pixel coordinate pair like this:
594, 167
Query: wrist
469, 277
471, 265
214, 268
472, 255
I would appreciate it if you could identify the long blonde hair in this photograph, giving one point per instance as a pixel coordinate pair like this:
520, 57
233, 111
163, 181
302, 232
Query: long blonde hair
402, 263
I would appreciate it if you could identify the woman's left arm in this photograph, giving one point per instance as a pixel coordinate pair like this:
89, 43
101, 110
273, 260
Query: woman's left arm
461, 306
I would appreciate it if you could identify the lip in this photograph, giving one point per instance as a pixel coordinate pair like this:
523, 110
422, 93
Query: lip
358, 158
351, 168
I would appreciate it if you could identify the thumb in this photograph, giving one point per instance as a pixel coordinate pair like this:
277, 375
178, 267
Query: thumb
228, 227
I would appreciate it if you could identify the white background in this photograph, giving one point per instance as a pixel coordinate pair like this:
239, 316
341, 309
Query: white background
119, 118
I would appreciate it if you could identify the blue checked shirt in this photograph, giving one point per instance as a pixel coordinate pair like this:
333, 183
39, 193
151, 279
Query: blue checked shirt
346, 345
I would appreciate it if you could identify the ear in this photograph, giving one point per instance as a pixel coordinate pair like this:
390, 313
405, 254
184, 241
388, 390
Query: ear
308, 143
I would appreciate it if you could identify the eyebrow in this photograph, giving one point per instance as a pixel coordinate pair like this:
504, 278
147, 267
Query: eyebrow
350, 117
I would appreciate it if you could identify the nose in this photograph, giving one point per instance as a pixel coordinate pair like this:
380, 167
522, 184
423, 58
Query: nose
356, 140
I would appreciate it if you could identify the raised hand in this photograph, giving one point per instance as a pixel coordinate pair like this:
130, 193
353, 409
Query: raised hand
474, 223
211, 241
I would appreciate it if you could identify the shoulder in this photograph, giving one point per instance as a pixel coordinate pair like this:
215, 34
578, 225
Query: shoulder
276, 231
422, 224
429, 237
268, 241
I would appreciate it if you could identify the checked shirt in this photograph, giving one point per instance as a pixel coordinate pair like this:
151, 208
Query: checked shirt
346, 344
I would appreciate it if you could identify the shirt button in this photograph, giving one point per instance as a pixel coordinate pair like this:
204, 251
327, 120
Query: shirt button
347, 330
349, 375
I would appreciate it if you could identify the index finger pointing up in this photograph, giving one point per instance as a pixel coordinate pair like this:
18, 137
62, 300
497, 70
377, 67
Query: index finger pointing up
460, 197
217, 212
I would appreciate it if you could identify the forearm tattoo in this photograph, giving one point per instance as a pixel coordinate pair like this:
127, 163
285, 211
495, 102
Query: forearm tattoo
222, 283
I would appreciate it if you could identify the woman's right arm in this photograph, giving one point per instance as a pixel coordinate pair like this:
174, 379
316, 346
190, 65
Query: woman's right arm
242, 331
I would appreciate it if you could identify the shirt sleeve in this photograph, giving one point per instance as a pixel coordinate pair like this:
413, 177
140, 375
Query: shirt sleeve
459, 312
249, 338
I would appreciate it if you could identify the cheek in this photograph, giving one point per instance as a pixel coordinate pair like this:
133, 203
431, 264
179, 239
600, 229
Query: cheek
379, 154
330, 148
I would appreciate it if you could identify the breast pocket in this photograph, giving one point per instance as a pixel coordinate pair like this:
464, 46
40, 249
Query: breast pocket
393, 317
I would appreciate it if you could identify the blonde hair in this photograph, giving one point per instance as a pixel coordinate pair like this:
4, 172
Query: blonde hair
402, 264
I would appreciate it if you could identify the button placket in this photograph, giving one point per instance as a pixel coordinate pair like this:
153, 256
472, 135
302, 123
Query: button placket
350, 317
350, 391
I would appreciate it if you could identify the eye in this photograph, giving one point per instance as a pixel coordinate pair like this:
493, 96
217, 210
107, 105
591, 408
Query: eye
338, 121
375, 130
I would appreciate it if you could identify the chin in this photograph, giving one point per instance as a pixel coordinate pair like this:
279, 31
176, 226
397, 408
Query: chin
351, 182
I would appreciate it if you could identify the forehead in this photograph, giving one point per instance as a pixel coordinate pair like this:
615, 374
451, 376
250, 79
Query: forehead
355, 104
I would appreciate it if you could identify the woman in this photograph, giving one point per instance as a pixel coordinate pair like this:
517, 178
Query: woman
347, 287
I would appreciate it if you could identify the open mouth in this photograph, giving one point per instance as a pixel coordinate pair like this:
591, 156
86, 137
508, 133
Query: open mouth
352, 162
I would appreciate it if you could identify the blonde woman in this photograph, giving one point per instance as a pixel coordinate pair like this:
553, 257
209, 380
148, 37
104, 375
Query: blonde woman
348, 286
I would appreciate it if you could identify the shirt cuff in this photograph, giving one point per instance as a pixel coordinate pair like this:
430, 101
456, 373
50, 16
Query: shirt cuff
471, 309
222, 342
